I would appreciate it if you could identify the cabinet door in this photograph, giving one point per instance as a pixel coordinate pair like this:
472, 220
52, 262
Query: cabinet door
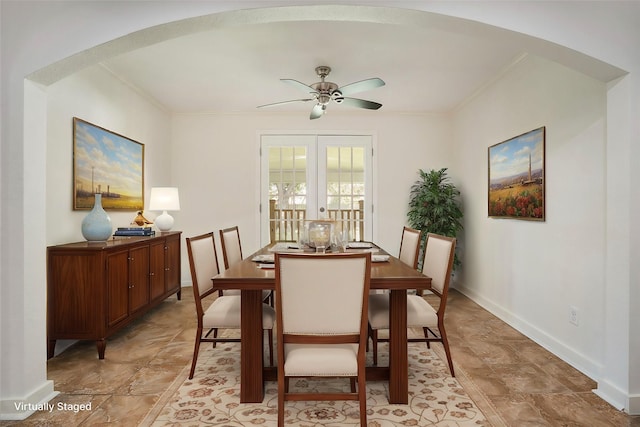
157, 269
138, 278
172, 263
74, 294
117, 287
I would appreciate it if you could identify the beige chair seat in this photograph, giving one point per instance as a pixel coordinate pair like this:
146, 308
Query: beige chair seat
321, 360
419, 312
224, 313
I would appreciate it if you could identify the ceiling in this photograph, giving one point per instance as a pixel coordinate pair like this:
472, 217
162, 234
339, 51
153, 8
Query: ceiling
236, 68
233, 61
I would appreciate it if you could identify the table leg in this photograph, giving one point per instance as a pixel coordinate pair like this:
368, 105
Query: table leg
398, 357
251, 347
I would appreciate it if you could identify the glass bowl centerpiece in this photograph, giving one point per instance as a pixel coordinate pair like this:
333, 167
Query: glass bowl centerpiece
319, 235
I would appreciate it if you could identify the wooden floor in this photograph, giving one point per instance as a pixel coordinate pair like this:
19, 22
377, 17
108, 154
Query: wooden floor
528, 385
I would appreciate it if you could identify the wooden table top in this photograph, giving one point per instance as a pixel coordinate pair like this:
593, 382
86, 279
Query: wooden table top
392, 274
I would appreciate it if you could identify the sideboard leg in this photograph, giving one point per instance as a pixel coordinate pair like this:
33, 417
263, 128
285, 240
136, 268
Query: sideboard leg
101, 344
179, 294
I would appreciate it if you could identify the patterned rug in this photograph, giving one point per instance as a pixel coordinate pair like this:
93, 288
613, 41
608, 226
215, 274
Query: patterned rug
212, 397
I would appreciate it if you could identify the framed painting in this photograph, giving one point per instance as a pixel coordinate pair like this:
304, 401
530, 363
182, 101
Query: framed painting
517, 177
106, 163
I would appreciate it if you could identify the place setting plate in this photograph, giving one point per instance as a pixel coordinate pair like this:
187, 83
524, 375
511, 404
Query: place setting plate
264, 259
359, 245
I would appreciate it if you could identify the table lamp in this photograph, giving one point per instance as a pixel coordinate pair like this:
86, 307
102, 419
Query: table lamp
164, 199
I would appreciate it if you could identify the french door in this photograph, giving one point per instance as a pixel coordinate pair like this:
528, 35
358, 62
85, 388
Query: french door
306, 177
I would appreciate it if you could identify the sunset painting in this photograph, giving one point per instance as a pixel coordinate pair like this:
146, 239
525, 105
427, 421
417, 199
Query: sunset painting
108, 164
516, 177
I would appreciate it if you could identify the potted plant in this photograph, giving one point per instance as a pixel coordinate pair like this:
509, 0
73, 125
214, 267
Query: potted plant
434, 206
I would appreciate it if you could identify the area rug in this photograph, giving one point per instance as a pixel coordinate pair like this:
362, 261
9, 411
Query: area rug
212, 397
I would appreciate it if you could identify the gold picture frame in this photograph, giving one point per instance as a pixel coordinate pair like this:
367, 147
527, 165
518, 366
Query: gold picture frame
107, 163
517, 177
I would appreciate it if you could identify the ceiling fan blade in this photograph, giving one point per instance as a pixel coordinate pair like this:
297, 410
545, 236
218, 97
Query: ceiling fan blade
361, 103
361, 86
316, 112
285, 102
299, 85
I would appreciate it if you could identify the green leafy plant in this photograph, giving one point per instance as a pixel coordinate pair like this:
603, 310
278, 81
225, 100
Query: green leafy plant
434, 206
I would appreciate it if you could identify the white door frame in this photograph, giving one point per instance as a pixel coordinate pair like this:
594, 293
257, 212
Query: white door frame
281, 138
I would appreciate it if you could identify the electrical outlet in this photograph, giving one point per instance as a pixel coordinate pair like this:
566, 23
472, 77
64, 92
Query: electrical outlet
573, 315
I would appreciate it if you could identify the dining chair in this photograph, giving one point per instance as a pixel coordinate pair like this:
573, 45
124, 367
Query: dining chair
409, 251
231, 254
410, 246
437, 264
319, 335
224, 311
231, 246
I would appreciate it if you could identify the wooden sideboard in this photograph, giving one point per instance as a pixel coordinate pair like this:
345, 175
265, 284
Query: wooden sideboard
96, 288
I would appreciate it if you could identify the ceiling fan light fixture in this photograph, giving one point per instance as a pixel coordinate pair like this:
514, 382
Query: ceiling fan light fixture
323, 99
324, 92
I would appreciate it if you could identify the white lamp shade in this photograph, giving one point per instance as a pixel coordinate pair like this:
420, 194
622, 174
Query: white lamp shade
164, 199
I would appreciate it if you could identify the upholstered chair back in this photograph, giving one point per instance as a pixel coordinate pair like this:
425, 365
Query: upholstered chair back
313, 287
203, 262
410, 246
438, 260
231, 247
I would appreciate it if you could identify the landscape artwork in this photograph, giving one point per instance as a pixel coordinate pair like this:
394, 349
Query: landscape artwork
516, 177
109, 164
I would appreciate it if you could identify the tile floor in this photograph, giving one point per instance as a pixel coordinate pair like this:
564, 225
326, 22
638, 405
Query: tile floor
528, 385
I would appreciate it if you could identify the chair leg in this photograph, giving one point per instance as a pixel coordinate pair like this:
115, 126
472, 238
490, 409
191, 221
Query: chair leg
445, 343
374, 339
270, 333
196, 349
362, 394
352, 380
426, 337
282, 389
215, 335
366, 348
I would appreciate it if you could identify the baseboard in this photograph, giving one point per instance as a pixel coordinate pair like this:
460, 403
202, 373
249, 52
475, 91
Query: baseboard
618, 398
582, 363
21, 409
634, 404
611, 394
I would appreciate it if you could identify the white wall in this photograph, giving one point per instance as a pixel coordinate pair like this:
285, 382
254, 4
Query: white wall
213, 158
42, 33
216, 166
96, 96
535, 270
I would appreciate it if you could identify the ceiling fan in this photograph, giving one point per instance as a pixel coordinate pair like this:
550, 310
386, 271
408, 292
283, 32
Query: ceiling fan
324, 92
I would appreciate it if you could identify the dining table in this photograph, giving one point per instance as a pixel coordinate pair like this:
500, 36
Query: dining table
251, 278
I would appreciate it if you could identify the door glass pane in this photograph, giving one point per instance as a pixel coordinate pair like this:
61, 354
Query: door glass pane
346, 188
287, 191
296, 170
